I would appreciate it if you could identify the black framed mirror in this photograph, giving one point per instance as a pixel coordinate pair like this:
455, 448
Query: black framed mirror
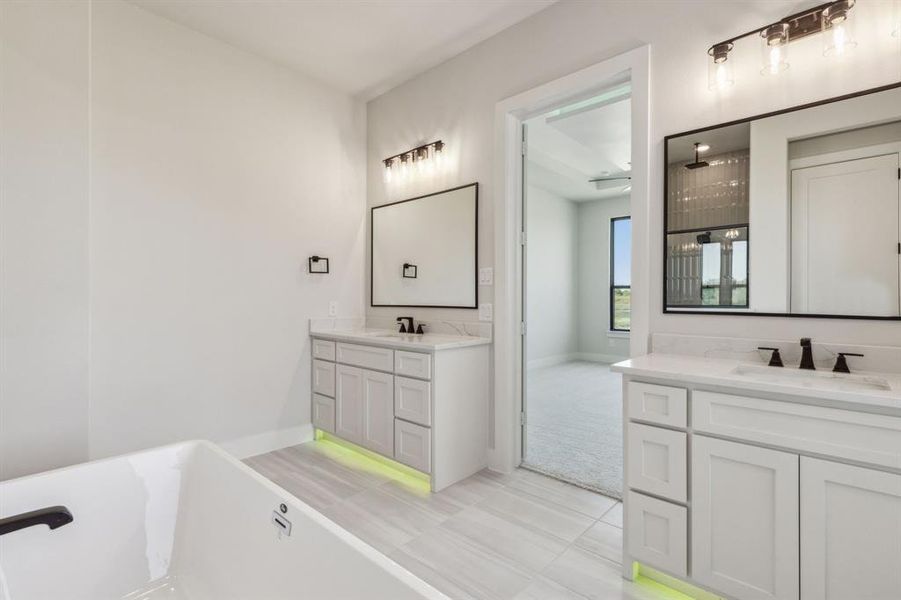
424, 250
791, 213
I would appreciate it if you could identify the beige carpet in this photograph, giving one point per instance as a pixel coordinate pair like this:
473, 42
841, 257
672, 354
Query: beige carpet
574, 425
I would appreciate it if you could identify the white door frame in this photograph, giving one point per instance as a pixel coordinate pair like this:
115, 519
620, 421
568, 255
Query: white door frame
509, 115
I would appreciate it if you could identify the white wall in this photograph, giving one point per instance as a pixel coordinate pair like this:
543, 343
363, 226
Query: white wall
455, 102
552, 279
213, 176
595, 341
43, 235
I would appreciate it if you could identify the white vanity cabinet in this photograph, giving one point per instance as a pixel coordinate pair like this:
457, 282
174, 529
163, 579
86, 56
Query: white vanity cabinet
744, 527
363, 401
424, 406
761, 498
850, 532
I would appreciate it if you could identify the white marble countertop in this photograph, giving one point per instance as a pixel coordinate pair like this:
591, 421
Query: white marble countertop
748, 377
427, 342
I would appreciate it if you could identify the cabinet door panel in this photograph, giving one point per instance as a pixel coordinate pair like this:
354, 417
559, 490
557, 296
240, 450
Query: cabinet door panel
324, 413
413, 364
413, 400
413, 445
378, 412
324, 378
657, 404
744, 515
850, 532
324, 349
658, 533
349, 403
658, 461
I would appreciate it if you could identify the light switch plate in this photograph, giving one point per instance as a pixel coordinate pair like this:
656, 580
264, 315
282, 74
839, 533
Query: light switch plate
486, 276
333, 308
486, 312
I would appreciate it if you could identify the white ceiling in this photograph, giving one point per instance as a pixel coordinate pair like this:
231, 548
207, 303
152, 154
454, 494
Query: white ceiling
363, 47
566, 150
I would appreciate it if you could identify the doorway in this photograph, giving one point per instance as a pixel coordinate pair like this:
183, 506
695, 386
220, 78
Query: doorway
576, 287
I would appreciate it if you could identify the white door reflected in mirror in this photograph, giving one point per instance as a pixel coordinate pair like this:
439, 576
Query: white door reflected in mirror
845, 232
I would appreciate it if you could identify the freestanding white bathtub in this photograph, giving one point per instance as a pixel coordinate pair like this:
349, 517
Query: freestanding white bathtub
186, 521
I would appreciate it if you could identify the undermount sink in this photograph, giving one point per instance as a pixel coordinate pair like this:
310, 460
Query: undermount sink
826, 380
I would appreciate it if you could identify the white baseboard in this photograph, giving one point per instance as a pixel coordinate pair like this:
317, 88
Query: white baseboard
602, 358
548, 361
261, 443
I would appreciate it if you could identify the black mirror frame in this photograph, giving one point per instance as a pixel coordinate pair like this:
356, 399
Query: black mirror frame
745, 313
372, 210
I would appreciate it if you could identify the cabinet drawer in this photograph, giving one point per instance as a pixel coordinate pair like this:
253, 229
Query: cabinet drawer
323, 349
413, 364
846, 434
324, 378
413, 445
413, 400
369, 357
658, 461
658, 533
658, 404
324, 413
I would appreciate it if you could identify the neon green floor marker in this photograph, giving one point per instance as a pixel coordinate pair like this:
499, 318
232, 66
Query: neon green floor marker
360, 459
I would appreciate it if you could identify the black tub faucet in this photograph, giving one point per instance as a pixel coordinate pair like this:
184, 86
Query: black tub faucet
806, 355
52, 517
408, 328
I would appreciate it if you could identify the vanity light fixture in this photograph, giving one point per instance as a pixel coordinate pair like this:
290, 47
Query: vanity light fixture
421, 159
833, 19
838, 27
720, 74
774, 49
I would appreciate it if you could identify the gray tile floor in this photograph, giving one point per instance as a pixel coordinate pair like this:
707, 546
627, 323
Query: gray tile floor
491, 536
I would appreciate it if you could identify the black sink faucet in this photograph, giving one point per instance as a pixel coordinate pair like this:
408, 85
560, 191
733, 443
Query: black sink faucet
841, 364
52, 517
409, 325
806, 355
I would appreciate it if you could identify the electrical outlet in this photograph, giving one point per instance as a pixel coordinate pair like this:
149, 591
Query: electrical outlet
333, 308
486, 276
486, 312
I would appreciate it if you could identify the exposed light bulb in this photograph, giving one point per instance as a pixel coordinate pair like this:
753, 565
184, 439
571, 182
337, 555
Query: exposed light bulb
703, 147
438, 154
838, 29
775, 59
719, 73
388, 170
775, 49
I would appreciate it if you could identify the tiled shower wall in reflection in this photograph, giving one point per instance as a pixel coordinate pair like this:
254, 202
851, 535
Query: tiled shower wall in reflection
709, 197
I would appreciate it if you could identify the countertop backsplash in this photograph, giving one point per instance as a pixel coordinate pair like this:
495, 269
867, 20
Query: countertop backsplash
473, 328
879, 359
